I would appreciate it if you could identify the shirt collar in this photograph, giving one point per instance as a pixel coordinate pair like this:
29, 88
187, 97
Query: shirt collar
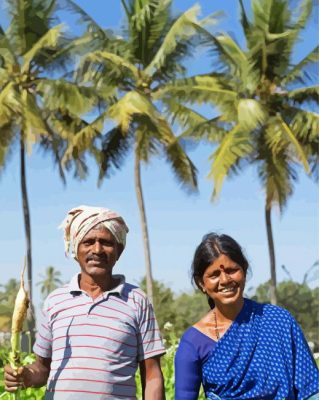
74, 287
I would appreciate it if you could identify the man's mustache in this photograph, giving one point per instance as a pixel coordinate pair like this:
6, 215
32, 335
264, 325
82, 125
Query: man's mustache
94, 257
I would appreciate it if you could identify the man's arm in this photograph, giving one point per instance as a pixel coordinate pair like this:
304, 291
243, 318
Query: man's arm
32, 375
152, 379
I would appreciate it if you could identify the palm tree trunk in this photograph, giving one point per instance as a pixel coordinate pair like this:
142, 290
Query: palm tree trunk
27, 229
141, 206
271, 248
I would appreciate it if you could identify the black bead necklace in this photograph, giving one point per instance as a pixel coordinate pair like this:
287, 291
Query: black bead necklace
216, 328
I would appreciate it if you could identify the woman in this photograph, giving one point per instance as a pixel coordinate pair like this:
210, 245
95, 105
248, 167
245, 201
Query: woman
241, 349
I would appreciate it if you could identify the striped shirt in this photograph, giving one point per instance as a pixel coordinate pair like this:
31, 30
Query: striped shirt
96, 345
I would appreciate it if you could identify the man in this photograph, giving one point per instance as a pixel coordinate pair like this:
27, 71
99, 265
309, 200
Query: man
97, 329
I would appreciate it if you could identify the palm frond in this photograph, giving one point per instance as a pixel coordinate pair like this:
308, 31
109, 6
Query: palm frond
48, 40
226, 51
277, 176
304, 94
26, 27
234, 146
147, 137
6, 143
183, 28
10, 104
182, 166
198, 89
81, 139
7, 55
182, 114
53, 144
299, 71
211, 130
118, 61
60, 94
294, 141
244, 19
84, 18
129, 105
305, 124
303, 13
32, 120
114, 147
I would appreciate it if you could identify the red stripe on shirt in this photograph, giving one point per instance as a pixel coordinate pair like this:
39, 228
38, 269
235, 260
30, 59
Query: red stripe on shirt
155, 351
114, 309
70, 308
92, 380
94, 336
88, 369
44, 338
88, 391
89, 358
100, 326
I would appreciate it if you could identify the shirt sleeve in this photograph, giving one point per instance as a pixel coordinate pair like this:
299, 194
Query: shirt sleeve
306, 374
150, 342
43, 343
188, 375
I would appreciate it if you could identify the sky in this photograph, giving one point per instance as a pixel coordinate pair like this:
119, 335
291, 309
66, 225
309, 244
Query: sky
177, 220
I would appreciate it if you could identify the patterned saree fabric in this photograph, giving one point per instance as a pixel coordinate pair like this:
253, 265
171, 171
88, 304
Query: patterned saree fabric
80, 220
263, 355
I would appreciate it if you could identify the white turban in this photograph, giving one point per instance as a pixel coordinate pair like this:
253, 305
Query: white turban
80, 220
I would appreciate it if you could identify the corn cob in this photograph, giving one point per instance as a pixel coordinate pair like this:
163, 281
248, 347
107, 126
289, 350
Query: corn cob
20, 311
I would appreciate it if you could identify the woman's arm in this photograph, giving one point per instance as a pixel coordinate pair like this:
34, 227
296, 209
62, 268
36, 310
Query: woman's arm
188, 374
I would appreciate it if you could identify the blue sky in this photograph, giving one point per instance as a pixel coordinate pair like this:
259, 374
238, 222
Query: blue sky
177, 221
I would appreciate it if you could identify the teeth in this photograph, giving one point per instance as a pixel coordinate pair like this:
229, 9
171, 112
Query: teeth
228, 289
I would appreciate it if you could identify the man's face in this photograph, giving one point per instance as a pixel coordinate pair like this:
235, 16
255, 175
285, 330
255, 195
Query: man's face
98, 252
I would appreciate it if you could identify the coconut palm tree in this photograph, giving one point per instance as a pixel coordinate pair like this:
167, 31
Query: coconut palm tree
127, 73
266, 104
50, 280
34, 108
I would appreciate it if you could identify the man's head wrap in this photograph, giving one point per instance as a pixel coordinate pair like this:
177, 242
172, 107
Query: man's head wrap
80, 220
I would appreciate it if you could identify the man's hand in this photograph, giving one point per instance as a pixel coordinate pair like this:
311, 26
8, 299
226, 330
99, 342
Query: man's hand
152, 379
13, 379
35, 375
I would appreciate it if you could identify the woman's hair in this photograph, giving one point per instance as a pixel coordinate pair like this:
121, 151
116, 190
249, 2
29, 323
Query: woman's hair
210, 248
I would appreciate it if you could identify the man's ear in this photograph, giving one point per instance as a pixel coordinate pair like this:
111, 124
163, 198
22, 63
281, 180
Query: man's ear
120, 249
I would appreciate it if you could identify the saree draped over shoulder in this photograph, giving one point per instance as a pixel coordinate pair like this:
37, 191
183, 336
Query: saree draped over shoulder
263, 355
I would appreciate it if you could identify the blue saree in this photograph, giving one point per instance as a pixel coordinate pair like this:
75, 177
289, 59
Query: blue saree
263, 355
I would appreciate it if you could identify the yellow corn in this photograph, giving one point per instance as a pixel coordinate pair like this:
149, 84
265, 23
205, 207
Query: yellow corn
20, 311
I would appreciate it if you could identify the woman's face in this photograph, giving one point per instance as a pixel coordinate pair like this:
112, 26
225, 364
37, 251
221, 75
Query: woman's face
224, 281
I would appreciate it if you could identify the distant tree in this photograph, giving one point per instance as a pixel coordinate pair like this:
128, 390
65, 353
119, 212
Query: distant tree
180, 310
163, 303
266, 103
50, 280
189, 308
